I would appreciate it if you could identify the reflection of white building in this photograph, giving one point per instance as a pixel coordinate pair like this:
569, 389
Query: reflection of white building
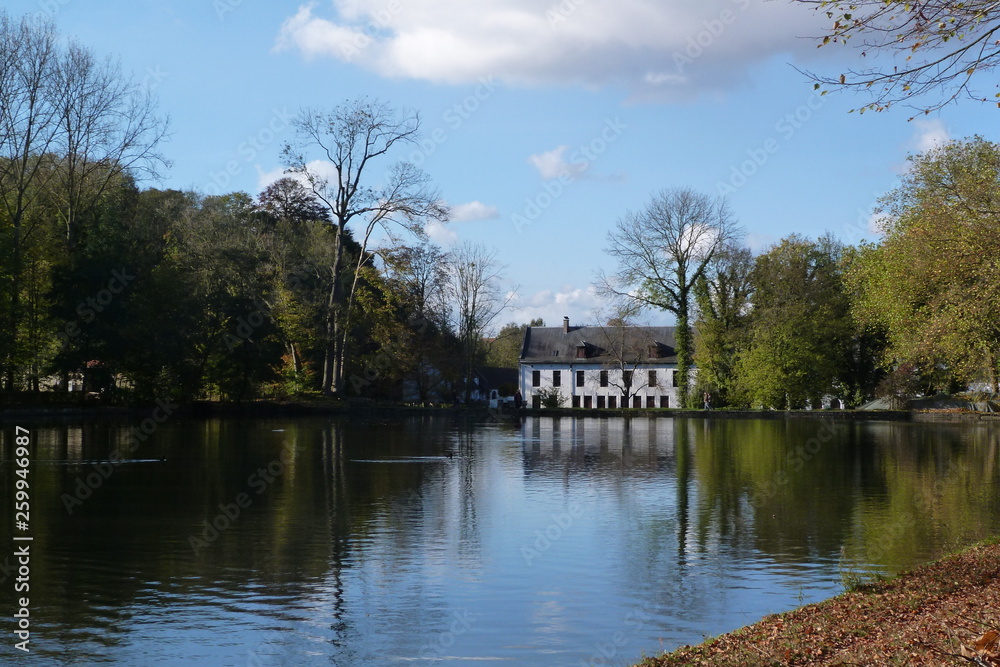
554, 436
600, 367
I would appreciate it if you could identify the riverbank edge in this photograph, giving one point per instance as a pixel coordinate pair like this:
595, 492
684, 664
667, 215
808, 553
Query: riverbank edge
360, 408
921, 616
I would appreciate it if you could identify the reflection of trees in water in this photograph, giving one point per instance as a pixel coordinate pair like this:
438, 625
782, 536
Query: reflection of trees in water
940, 492
793, 490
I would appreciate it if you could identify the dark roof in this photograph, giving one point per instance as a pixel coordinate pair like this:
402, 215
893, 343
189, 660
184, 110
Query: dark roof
601, 345
494, 377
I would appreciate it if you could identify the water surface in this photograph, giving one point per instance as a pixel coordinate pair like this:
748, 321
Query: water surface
554, 541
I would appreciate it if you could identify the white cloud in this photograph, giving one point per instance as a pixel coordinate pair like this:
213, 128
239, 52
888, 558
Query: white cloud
653, 48
576, 303
474, 210
930, 133
441, 234
553, 164
323, 167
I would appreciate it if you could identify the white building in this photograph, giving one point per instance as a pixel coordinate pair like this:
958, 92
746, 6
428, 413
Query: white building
600, 367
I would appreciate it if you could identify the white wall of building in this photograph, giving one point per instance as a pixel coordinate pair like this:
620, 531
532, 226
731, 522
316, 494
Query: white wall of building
664, 384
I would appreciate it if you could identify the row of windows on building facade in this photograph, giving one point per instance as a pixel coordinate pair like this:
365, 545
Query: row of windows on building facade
652, 378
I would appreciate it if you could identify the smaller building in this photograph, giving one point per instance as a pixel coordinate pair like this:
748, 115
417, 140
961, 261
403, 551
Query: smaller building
600, 366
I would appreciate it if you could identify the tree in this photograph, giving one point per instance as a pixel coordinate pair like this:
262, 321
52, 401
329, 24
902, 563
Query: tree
627, 346
71, 129
800, 326
287, 199
933, 283
935, 46
108, 126
723, 296
349, 138
475, 288
29, 131
662, 251
504, 351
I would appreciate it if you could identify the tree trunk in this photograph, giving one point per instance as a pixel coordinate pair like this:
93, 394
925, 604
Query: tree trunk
333, 369
15, 305
683, 340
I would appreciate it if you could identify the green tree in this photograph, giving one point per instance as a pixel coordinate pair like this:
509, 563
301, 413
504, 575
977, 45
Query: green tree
801, 325
71, 128
662, 251
933, 283
722, 296
504, 351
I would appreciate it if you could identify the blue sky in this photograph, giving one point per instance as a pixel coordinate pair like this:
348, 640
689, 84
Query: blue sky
544, 122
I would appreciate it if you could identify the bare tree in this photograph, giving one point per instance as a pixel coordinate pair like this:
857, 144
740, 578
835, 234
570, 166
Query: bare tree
662, 251
933, 45
475, 286
29, 131
348, 139
108, 127
627, 346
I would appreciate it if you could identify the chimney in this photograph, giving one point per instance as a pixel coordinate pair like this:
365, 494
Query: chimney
565, 325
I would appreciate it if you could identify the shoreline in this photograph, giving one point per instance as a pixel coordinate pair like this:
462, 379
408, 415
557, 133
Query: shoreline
319, 406
934, 614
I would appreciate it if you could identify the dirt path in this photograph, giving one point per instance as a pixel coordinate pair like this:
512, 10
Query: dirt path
944, 613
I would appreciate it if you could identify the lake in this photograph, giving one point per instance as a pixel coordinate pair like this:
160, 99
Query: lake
441, 541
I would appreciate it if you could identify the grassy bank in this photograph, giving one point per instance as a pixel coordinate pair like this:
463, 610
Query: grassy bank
943, 613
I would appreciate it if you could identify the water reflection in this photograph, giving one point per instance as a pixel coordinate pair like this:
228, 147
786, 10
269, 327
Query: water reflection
550, 541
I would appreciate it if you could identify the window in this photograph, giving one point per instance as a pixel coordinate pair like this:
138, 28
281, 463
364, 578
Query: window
651, 401
652, 378
664, 401
600, 402
636, 401
536, 401
579, 378
612, 402
627, 378
588, 401
556, 378
576, 401
604, 378
536, 378
674, 374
